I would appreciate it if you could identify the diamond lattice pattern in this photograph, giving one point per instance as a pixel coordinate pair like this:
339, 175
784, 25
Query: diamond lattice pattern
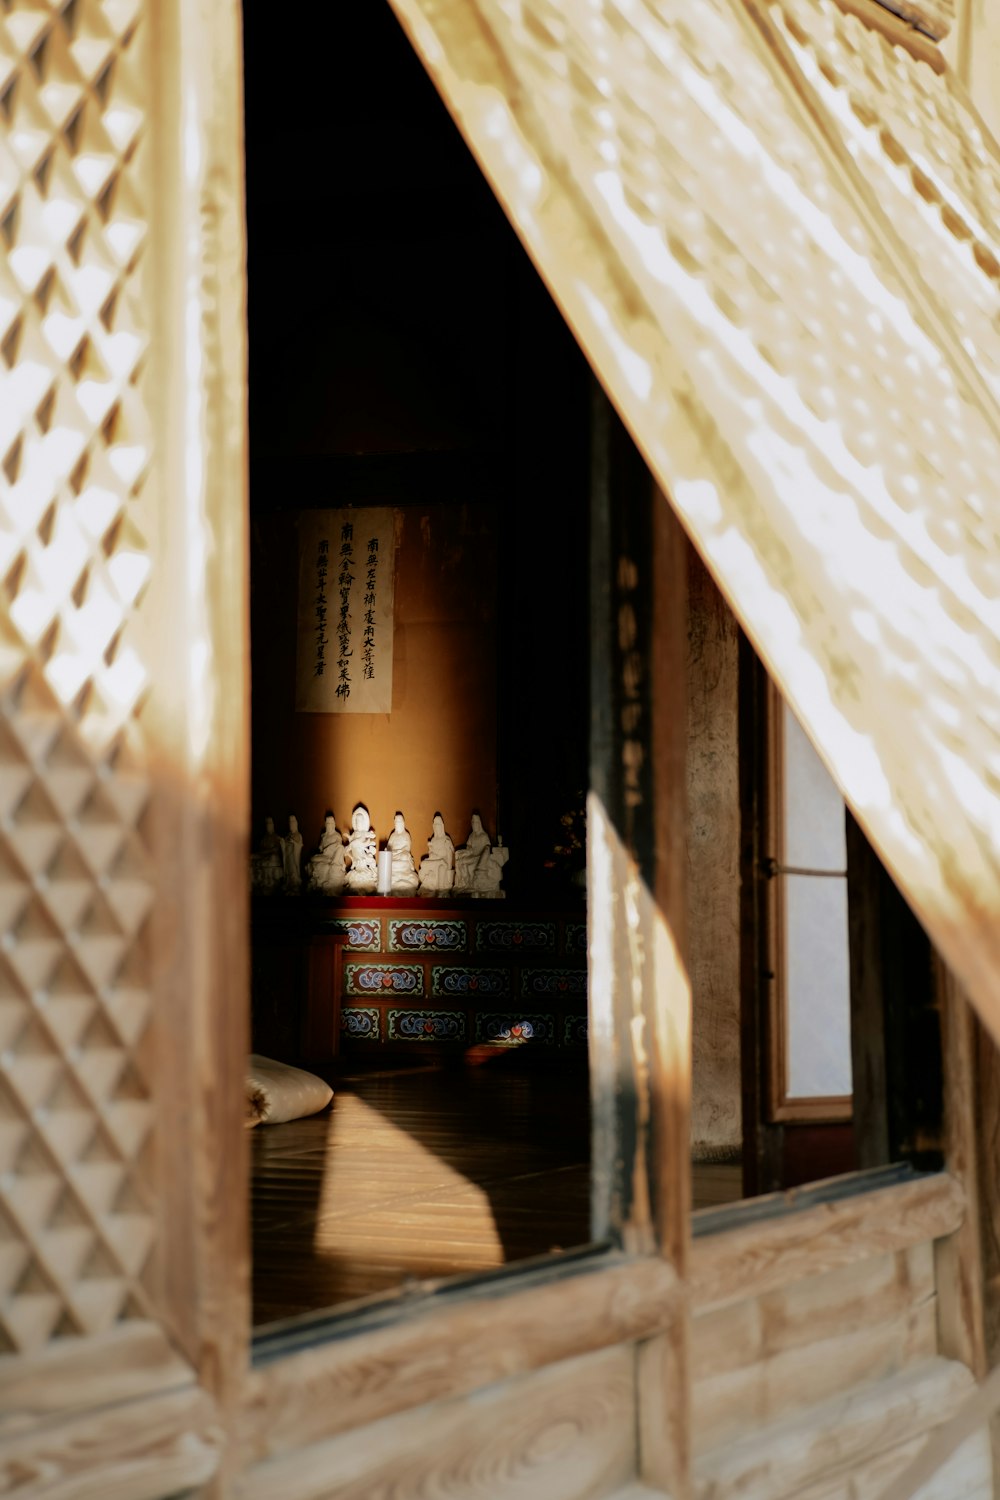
926, 152
75, 1112
828, 431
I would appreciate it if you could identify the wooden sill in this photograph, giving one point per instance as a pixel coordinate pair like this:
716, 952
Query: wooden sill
833, 1110
322, 1377
327, 1376
761, 1244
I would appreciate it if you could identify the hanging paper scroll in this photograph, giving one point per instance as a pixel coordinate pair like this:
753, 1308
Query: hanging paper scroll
346, 563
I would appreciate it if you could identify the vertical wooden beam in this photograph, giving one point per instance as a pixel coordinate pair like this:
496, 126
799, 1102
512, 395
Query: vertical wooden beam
665, 1402
895, 1019
986, 1139
640, 994
763, 1141
639, 892
620, 825
671, 822
713, 853
198, 714
958, 1259
868, 1054
613, 1123
987, 1136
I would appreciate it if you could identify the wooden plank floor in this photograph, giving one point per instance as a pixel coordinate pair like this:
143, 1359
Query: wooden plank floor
421, 1174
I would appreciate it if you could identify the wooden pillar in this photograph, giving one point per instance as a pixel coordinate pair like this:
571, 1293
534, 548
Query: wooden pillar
640, 994
895, 1019
958, 1257
967, 1262
987, 1140
763, 1141
198, 668
868, 1057
985, 1154
713, 860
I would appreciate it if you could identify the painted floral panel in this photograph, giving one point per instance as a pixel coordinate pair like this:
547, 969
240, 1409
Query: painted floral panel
436, 935
458, 980
426, 1026
516, 1029
575, 937
362, 932
383, 979
564, 984
360, 1022
574, 1031
516, 937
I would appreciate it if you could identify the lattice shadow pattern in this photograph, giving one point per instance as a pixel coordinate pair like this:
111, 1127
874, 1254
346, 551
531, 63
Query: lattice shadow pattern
75, 888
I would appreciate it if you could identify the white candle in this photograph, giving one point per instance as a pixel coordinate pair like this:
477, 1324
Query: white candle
385, 872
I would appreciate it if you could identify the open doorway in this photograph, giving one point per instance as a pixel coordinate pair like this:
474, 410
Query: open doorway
407, 364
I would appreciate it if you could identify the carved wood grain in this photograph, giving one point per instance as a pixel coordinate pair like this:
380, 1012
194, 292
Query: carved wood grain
756, 1258
564, 1432
448, 1351
959, 1258
198, 713
834, 1437
765, 1358
134, 1359
137, 1450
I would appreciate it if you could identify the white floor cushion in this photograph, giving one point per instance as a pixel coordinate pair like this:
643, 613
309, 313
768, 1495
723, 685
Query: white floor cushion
277, 1092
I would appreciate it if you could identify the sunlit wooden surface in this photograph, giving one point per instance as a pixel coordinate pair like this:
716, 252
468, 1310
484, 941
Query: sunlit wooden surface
424, 1174
750, 311
417, 1174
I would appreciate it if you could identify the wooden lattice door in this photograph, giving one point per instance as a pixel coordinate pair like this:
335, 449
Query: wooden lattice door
114, 426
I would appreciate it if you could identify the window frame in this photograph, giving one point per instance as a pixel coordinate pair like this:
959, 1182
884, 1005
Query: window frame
782, 1107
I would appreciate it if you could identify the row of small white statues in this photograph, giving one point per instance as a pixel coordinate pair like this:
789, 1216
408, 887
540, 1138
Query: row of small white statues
348, 863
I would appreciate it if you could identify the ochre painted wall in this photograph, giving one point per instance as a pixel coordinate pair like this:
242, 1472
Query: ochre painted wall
436, 750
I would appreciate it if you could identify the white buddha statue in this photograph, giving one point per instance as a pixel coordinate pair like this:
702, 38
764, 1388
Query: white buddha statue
326, 871
437, 872
267, 863
362, 849
471, 860
405, 879
291, 853
478, 868
493, 873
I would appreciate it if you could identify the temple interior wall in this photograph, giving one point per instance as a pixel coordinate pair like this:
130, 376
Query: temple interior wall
436, 750
425, 366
